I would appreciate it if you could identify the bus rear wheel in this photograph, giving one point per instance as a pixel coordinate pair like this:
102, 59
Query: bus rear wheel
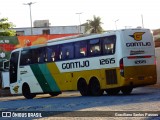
26, 92
83, 87
95, 88
126, 90
113, 91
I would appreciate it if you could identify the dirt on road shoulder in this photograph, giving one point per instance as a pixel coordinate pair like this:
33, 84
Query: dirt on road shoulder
155, 86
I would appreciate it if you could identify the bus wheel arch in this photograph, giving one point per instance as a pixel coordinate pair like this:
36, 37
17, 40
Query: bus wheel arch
95, 87
82, 86
27, 92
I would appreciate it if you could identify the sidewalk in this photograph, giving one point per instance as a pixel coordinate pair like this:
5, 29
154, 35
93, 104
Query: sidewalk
156, 85
5, 92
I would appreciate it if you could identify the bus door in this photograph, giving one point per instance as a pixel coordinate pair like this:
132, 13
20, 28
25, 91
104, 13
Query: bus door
13, 71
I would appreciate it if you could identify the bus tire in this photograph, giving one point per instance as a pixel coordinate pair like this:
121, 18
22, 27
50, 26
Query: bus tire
27, 92
95, 87
113, 91
54, 93
83, 87
126, 90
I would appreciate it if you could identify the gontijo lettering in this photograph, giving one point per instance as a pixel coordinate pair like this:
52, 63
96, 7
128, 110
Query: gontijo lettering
78, 64
134, 44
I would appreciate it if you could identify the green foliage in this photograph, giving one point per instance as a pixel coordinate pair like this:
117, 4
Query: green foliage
94, 26
5, 28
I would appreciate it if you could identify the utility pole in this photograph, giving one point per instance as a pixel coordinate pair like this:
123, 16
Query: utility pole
116, 23
142, 21
79, 22
29, 4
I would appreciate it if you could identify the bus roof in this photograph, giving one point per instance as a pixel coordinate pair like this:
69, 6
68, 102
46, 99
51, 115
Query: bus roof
89, 36
77, 38
70, 37
29, 47
34, 46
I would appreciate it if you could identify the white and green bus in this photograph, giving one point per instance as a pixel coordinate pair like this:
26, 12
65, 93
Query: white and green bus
114, 61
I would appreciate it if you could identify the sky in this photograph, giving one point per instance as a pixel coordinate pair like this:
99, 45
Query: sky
114, 14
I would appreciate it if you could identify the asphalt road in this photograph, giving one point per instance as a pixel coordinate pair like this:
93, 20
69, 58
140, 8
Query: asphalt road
143, 103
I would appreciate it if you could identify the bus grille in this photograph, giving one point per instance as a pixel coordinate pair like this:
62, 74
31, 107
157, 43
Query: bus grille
111, 76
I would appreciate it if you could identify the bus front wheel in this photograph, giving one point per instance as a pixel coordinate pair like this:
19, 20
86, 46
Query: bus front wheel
26, 92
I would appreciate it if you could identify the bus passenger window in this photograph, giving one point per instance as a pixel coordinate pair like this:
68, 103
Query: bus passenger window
35, 55
26, 56
53, 56
95, 48
41, 55
108, 49
67, 54
52, 53
28, 61
67, 51
60, 55
80, 49
109, 45
83, 52
46, 57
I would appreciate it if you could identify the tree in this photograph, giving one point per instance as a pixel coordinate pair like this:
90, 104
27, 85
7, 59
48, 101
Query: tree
94, 26
5, 28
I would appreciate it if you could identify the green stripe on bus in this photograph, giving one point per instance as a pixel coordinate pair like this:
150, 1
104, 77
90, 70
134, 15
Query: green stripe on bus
40, 77
50, 80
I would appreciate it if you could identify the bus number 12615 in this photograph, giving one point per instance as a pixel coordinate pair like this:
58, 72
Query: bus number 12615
107, 61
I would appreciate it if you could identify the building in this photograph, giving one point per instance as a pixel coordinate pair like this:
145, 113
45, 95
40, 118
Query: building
50, 30
43, 27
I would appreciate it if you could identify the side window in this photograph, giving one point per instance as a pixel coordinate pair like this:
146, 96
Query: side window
66, 51
35, 55
94, 47
41, 55
14, 58
109, 43
26, 57
52, 53
80, 49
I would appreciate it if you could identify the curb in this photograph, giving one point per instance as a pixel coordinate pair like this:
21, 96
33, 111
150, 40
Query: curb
155, 86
